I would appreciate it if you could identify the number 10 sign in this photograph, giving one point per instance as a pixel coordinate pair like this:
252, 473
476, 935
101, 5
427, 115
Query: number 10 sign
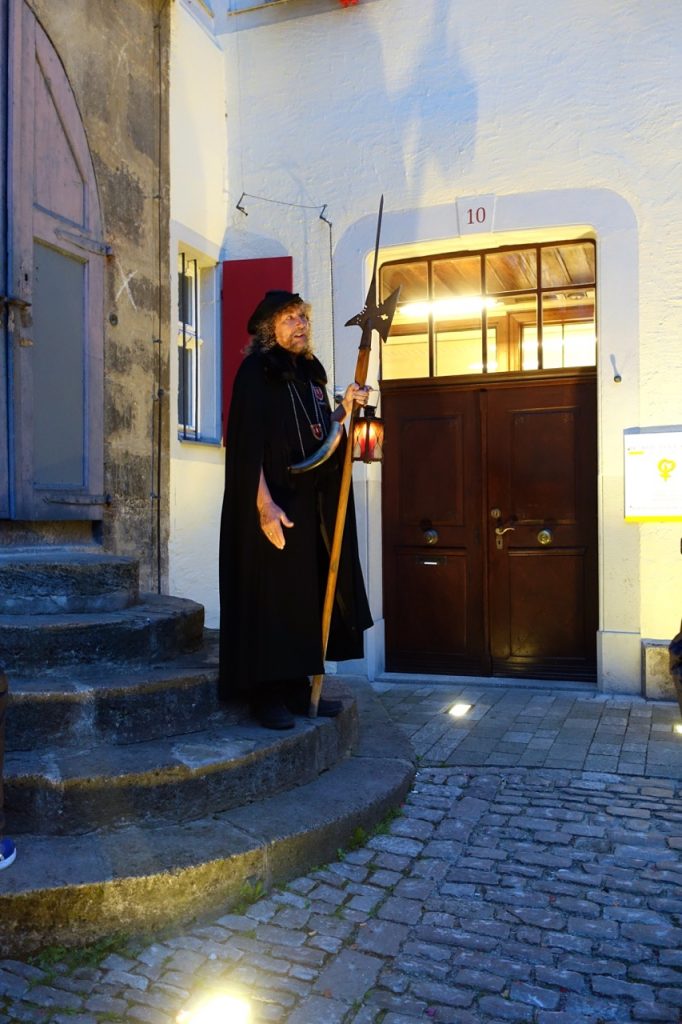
476, 214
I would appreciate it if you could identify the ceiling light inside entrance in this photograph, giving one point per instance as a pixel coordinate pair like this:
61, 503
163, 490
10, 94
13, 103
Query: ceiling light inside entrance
465, 305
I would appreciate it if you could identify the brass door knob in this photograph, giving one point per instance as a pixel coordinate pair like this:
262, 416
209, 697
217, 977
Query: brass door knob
545, 537
431, 536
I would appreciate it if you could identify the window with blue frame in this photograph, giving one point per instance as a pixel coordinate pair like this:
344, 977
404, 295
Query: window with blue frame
198, 349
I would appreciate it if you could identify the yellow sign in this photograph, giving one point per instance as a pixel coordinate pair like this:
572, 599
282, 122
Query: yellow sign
665, 467
653, 475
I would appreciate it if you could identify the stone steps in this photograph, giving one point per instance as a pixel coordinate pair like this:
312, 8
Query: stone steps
60, 581
73, 790
118, 704
135, 797
156, 628
73, 889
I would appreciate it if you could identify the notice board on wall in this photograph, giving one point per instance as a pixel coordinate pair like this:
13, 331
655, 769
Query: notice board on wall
653, 475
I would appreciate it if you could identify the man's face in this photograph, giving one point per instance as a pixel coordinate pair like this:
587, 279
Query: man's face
292, 329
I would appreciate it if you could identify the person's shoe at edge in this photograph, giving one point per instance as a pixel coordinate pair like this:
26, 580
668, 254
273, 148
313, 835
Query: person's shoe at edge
8, 853
273, 713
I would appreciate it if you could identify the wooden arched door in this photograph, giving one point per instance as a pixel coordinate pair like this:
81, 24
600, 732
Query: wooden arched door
52, 266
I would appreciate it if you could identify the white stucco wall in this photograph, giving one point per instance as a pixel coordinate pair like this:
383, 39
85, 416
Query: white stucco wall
571, 115
198, 205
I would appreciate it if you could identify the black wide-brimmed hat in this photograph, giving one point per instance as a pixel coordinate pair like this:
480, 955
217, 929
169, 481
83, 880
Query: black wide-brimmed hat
272, 303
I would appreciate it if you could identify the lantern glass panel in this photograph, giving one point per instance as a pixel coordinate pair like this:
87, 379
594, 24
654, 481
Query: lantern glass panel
368, 440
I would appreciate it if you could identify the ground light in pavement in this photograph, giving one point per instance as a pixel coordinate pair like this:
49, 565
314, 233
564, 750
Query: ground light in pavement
678, 728
459, 710
216, 1008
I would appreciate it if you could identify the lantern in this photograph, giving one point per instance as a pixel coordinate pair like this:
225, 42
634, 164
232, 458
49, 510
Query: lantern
368, 437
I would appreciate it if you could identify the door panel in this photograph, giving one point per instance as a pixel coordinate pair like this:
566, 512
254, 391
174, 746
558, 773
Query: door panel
58, 283
533, 575
541, 476
432, 537
538, 450
501, 479
63, 193
443, 482
430, 624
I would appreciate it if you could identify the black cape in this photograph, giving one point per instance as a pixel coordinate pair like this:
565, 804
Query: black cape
271, 600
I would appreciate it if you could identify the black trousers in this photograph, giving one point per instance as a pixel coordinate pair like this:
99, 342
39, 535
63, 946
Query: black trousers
3, 711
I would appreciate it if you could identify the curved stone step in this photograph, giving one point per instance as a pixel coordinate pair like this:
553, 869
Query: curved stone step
180, 778
94, 704
157, 628
75, 889
53, 581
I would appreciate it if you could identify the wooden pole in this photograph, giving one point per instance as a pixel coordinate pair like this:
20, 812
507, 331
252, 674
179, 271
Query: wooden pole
339, 526
372, 317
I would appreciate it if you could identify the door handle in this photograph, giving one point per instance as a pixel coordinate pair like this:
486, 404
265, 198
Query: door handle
429, 532
500, 531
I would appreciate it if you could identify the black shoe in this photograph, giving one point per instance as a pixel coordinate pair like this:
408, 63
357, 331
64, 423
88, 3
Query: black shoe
273, 714
297, 699
329, 708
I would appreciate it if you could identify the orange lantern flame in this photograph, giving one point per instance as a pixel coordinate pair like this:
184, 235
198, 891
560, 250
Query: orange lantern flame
368, 437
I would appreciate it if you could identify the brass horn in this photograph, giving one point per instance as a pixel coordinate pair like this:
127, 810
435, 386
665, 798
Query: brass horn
326, 449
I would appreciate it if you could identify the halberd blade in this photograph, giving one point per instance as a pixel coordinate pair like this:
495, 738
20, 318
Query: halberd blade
367, 317
385, 314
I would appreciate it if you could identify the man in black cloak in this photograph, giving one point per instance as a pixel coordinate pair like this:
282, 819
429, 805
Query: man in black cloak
276, 528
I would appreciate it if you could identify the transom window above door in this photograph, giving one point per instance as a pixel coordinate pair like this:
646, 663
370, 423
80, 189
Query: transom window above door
512, 309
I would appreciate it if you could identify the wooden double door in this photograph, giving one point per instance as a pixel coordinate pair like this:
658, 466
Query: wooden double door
490, 526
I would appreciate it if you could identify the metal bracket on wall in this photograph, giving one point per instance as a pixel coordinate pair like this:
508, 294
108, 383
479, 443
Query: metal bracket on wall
83, 242
12, 303
84, 499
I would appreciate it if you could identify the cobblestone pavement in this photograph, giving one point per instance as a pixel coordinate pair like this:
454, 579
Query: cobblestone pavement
534, 875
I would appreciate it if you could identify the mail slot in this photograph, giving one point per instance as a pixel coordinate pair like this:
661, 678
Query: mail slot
431, 559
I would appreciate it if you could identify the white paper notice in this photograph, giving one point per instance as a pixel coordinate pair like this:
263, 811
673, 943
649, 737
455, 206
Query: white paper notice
653, 475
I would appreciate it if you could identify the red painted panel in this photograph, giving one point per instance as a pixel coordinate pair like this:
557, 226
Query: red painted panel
245, 282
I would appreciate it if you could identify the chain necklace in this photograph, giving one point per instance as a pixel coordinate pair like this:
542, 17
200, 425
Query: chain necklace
316, 428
